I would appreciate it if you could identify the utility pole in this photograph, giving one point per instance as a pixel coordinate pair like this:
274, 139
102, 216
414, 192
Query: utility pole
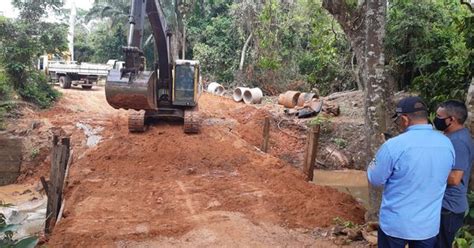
72, 23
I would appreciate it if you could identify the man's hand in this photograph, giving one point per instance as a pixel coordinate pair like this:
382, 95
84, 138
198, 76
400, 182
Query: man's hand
455, 177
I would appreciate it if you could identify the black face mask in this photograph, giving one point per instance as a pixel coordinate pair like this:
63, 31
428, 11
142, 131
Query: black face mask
440, 124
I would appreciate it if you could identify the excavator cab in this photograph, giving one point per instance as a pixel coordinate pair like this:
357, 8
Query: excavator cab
170, 90
186, 83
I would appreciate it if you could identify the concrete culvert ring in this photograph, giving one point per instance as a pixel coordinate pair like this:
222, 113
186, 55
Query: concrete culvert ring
215, 88
219, 90
305, 97
253, 96
289, 99
238, 94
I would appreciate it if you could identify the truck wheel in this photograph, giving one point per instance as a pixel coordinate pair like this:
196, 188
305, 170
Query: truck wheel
65, 82
86, 87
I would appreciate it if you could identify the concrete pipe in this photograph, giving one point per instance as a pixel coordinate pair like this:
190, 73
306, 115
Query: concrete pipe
305, 97
289, 99
238, 94
253, 96
215, 88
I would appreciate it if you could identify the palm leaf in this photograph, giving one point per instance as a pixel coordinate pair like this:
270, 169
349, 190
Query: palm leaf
29, 242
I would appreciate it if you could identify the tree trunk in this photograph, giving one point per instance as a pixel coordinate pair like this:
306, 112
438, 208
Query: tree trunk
180, 26
244, 50
184, 40
375, 94
470, 122
365, 28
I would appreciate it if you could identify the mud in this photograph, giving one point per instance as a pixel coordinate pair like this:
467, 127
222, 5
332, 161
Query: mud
165, 188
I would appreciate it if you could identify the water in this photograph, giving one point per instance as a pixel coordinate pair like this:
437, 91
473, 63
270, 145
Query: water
26, 209
91, 133
353, 182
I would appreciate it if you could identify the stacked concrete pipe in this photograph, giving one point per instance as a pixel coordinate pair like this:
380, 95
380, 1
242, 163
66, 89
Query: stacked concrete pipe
253, 96
216, 89
238, 94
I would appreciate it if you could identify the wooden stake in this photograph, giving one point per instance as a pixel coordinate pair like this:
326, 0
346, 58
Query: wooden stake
311, 151
266, 134
59, 161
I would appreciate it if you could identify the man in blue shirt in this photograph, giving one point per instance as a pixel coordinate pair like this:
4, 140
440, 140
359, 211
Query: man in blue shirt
450, 118
413, 168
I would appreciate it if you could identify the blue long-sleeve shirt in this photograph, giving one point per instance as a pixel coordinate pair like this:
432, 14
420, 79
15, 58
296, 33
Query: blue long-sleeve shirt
413, 168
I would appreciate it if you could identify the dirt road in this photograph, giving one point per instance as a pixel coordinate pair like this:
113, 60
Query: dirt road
163, 188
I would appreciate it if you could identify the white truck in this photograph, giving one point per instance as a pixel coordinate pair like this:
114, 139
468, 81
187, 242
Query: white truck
71, 73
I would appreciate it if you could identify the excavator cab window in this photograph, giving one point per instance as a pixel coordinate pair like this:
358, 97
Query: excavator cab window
184, 84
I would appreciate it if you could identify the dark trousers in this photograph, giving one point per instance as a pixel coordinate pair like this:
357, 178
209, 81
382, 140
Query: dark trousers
385, 241
450, 224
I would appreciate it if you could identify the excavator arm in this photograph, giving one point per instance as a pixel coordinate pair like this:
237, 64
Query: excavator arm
134, 61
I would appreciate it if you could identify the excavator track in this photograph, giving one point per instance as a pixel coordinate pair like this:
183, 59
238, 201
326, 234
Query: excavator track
136, 121
192, 121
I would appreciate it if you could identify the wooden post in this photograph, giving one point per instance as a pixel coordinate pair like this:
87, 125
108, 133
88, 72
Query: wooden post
266, 134
59, 161
311, 151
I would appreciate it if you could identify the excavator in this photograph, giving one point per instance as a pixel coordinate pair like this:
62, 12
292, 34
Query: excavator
170, 90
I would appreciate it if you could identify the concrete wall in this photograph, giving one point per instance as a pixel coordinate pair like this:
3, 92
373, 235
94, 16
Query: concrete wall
10, 159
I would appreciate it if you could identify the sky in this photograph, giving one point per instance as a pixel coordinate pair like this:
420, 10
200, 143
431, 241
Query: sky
7, 9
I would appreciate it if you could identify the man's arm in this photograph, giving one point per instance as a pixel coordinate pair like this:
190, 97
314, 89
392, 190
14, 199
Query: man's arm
461, 162
455, 177
381, 167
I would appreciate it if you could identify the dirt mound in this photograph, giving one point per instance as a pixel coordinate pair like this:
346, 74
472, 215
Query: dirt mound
246, 121
136, 187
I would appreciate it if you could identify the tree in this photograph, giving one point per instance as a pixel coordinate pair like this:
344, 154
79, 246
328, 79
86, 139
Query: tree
364, 25
116, 12
108, 45
23, 40
428, 48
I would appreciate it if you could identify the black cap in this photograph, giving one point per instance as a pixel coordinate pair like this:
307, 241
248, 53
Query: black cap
410, 104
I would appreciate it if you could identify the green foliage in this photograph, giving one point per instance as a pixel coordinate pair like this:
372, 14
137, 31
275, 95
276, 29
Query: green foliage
38, 91
34, 153
5, 87
464, 237
319, 120
107, 43
302, 42
340, 142
214, 43
21, 42
343, 223
5, 95
115, 11
8, 242
427, 45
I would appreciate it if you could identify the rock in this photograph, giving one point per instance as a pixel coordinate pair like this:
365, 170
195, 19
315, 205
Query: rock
353, 234
370, 237
369, 232
191, 171
36, 124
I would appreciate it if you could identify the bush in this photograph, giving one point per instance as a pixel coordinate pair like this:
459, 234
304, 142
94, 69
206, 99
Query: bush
5, 87
464, 237
38, 91
428, 47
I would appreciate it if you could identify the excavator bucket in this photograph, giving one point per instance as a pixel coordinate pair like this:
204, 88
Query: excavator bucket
131, 92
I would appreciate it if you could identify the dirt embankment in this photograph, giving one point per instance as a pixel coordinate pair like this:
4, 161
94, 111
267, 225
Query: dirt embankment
165, 188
